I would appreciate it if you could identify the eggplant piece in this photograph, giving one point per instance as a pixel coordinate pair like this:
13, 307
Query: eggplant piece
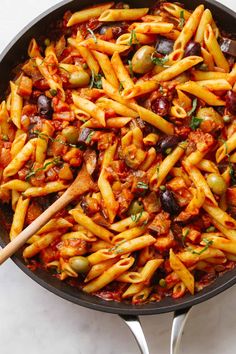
228, 46
164, 46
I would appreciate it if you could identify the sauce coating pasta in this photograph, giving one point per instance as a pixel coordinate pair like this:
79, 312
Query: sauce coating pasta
145, 100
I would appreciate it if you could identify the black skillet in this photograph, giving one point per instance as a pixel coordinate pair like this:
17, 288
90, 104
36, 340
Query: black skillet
15, 53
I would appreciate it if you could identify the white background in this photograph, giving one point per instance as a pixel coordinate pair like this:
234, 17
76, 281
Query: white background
34, 321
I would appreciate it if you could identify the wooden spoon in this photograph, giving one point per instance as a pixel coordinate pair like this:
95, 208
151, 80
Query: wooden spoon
81, 184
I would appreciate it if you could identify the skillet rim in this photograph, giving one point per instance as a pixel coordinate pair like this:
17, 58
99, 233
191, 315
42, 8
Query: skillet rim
220, 284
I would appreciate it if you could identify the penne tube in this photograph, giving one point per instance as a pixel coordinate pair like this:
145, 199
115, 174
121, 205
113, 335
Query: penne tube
128, 234
130, 277
214, 48
130, 222
98, 269
50, 187
189, 28
40, 244
132, 245
198, 253
226, 148
90, 108
146, 273
33, 49
151, 27
175, 10
17, 185
142, 296
229, 233
150, 158
200, 182
205, 20
54, 224
109, 275
207, 166
103, 46
182, 272
215, 85
127, 38
220, 215
112, 92
121, 71
116, 122
86, 55
220, 243
155, 120
89, 13
208, 59
140, 88
16, 105
167, 165
199, 75
90, 225
98, 245
123, 14
178, 111
19, 217
78, 235
107, 68
20, 159
18, 144
42, 143
177, 68
15, 195
119, 108
100, 256
201, 92
195, 157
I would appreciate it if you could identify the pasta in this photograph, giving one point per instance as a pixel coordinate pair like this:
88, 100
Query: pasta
143, 101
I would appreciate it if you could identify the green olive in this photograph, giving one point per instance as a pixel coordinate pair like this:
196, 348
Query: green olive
135, 207
79, 79
79, 264
216, 183
71, 134
142, 60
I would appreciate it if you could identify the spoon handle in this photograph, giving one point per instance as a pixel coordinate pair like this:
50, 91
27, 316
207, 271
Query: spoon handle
36, 225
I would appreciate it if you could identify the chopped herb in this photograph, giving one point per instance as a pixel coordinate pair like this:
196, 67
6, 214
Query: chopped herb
89, 137
32, 173
47, 42
168, 151
203, 67
93, 35
133, 38
162, 283
5, 137
227, 119
130, 68
96, 81
194, 106
121, 87
85, 66
162, 188
195, 123
112, 249
210, 229
136, 217
185, 234
181, 19
53, 92
231, 169
44, 136
159, 61
208, 244
161, 89
142, 185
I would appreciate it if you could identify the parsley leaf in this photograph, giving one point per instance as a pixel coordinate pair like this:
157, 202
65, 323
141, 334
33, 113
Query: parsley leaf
195, 122
121, 87
44, 136
181, 19
136, 217
133, 38
130, 68
208, 244
142, 185
184, 235
159, 61
96, 81
93, 35
32, 173
89, 137
194, 106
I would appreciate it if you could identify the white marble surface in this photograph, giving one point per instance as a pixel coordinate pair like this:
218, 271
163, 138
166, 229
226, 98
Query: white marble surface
34, 321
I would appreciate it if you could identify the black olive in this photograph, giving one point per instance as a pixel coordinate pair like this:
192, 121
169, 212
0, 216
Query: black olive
161, 106
164, 46
168, 142
44, 106
230, 100
168, 202
192, 48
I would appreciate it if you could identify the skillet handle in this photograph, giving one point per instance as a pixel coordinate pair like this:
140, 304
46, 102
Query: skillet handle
179, 320
135, 326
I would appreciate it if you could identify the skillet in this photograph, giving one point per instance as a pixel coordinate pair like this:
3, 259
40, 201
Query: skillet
129, 312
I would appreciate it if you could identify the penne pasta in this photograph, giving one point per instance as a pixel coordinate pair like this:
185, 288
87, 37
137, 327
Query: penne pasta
87, 14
